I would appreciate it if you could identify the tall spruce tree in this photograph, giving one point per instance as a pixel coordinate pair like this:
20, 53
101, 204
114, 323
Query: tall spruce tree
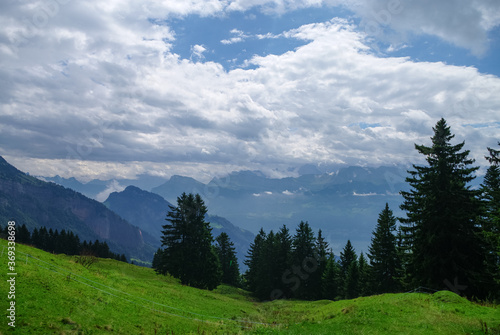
383, 255
304, 260
330, 285
254, 261
351, 282
187, 240
348, 257
440, 228
490, 196
283, 258
321, 256
365, 284
227, 257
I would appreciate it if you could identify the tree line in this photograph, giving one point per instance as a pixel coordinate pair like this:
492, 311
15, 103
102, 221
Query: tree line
449, 239
63, 242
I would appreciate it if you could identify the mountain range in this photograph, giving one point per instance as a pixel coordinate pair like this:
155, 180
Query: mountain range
129, 221
344, 203
37, 203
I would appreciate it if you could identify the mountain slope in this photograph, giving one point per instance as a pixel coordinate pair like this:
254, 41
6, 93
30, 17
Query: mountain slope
37, 203
148, 211
117, 298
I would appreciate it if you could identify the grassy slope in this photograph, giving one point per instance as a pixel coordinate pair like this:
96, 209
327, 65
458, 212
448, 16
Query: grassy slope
141, 302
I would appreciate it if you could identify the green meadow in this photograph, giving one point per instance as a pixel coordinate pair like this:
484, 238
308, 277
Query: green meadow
56, 295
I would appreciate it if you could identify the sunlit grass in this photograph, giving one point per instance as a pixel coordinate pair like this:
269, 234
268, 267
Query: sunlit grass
58, 296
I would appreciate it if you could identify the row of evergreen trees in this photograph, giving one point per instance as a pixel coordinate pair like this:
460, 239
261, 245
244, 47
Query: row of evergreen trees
189, 252
64, 242
304, 267
449, 239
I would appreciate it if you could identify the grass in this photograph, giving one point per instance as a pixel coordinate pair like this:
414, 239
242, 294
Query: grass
54, 295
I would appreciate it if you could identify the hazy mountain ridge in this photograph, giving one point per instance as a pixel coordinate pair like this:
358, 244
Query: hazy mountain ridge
36, 203
344, 204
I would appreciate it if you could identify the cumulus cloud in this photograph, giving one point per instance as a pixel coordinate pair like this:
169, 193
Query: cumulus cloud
464, 23
97, 90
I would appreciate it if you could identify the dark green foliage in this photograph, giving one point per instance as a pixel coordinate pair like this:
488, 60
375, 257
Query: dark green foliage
321, 256
490, 196
494, 156
365, 283
157, 261
304, 262
283, 261
280, 266
440, 231
349, 272
351, 281
227, 257
189, 254
254, 261
64, 243
330, 286
347, 256
384, 258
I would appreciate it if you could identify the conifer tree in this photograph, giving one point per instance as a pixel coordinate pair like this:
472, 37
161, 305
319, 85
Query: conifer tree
440, 228
321, 256
23, 234
490, 196
365, 284
304, 261
384, 258
282, 262
347, 258
254, 261
331, 279
189, 254
227, 257
351, 282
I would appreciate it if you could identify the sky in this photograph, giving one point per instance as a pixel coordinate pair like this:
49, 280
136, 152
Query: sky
115, 89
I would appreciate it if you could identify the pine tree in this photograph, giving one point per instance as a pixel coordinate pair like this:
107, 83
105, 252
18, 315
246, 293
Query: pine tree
189, 253
330, 285
23, 235
35, 238
384, 258
365, 284
490, 196
157, 262
348, 257
282, 263
254, 261
351, 282
304, 260
227, 257
321, 255
494, 157
440, 229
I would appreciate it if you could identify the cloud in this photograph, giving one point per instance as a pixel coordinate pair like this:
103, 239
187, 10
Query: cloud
197, 51
238, 36
98, 91
464, 23
113, 186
